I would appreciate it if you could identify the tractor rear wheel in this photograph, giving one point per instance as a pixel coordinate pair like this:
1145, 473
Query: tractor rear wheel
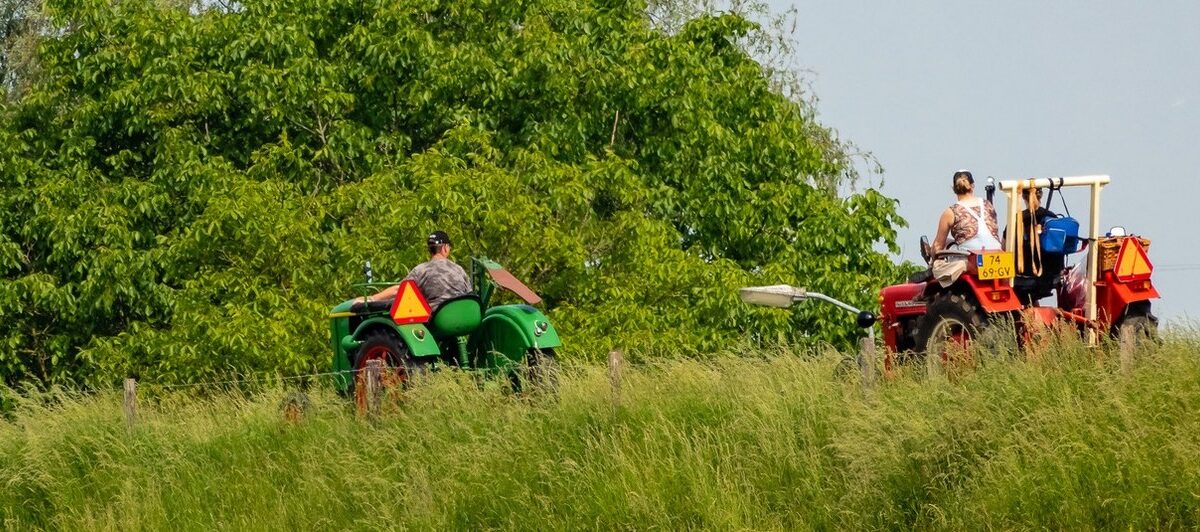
946, 331
1139, 326
539, 374
399, 366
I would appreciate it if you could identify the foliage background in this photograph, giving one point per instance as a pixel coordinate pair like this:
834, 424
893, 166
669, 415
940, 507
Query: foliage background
185, 191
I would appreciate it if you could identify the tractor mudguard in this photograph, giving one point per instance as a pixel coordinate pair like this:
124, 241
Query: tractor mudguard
1113, 296
415, 336
345, 342
508, 332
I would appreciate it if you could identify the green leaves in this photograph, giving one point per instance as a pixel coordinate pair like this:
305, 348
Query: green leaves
186, 194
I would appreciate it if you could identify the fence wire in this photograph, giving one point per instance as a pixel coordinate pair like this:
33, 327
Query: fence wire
284, 378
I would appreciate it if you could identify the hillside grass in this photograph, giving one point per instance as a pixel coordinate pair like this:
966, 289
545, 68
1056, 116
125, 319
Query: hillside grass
1066, 440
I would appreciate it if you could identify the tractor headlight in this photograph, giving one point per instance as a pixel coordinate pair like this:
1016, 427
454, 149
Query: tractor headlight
540, 327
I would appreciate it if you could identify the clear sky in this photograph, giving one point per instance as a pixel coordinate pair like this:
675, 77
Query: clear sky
1023, 89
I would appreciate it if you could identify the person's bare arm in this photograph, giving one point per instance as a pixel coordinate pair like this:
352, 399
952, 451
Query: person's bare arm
943, 230
390, 292
386, 293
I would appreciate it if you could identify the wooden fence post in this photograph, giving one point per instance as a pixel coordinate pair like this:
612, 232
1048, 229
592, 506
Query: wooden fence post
866, 361
130, 404
1126, 346
614, 375
373, 387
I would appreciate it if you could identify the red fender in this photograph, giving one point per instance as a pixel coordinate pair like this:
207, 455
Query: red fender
1112, 296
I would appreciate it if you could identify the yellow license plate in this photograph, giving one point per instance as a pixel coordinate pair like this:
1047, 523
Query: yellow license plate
997, 265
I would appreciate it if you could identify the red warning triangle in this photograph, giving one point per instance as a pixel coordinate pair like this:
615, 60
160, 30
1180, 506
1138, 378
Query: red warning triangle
1132, 262
410, 306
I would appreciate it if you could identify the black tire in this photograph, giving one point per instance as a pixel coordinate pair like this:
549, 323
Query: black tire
544, 370
948, 316
539, 374
398, 363
1138, 325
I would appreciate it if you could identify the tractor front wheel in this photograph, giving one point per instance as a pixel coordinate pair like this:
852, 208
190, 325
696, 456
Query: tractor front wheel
399, 366
945, 333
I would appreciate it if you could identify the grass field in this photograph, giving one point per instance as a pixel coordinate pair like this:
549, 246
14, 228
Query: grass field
771, 442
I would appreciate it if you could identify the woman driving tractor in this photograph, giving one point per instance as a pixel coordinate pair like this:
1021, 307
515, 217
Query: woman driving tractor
971, 220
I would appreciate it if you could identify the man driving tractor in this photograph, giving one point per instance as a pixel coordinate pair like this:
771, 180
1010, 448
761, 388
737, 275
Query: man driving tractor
459, 324
439, 279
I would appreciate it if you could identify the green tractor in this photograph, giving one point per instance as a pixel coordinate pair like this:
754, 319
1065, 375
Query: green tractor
517, 340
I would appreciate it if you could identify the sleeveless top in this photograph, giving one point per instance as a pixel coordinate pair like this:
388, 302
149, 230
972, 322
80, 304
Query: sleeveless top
974, 226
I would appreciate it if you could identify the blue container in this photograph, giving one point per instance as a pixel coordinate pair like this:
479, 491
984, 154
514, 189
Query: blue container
1060, 235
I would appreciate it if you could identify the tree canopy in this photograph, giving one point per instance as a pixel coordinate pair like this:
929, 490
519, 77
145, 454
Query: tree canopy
185, 192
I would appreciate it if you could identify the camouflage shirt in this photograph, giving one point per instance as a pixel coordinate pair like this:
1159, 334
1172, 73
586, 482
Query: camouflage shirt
440, 280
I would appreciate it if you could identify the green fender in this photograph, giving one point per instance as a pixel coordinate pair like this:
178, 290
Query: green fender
415, 336
508, 332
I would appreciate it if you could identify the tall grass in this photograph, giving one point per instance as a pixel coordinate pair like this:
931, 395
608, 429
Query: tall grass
1066, 440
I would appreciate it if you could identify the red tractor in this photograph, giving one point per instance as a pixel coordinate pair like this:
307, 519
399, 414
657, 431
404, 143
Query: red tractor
1108, 293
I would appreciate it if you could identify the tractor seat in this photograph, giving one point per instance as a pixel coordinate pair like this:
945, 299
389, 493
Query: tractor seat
371, 307
458, 316
923, 276
952, 254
